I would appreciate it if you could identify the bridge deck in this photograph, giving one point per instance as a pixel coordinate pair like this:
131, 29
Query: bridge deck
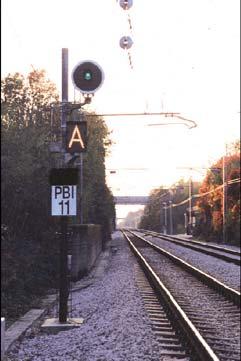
142, 200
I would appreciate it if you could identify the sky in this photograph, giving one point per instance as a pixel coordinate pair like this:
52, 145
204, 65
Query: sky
185, 57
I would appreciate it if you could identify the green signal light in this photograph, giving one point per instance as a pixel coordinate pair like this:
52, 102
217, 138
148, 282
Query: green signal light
88, 75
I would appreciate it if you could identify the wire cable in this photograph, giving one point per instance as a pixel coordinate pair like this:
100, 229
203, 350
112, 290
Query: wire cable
230, 182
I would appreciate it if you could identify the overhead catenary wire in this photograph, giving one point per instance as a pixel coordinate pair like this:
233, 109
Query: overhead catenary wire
230, 182
128, 52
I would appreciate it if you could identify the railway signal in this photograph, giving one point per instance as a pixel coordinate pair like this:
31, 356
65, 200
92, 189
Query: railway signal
87, 76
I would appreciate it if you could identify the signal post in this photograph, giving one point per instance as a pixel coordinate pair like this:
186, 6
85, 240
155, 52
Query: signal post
87, 77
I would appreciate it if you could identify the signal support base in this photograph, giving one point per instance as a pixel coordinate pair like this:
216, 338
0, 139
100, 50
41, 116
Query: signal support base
52, 325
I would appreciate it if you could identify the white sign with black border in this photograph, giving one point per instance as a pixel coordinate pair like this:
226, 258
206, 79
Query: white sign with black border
64, 200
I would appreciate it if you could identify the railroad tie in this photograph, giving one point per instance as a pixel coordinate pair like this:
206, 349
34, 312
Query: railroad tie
160, 324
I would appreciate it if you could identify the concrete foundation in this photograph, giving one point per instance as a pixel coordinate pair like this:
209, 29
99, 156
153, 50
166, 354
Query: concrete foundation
52, 325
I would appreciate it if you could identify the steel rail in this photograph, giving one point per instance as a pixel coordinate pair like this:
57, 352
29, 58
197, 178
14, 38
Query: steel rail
195, 245
197, 343
227, 291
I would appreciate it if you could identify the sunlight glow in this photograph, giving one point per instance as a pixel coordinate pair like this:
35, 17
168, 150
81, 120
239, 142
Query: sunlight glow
185, 56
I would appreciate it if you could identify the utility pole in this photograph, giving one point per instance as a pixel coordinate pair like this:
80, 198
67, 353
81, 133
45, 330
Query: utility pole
190, 205
160, 219
165, 217
224, 197
171, 220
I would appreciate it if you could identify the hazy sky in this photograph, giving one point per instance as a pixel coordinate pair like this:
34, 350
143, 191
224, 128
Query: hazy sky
186, 59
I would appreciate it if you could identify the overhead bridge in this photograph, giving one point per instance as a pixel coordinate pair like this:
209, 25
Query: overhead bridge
142, 200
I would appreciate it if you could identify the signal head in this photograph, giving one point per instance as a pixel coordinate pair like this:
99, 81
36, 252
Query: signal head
87, 76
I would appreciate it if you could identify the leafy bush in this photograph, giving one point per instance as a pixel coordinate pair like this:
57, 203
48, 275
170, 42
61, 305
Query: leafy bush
30, 247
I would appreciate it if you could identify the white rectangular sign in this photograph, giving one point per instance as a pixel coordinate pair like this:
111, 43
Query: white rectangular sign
64, 200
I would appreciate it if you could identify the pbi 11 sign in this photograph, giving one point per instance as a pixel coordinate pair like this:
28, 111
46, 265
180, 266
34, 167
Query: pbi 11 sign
64, 200
63, 191
76, 137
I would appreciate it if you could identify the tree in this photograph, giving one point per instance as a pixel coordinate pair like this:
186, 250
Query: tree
26, 101
29, 243
154, 212
98, 201
26, 130
211, 205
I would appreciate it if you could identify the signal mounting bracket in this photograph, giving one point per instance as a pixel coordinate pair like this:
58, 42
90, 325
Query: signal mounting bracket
68, 107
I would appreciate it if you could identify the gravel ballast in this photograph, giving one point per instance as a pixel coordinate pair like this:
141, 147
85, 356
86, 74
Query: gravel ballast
219, 315
225, 272
116, 326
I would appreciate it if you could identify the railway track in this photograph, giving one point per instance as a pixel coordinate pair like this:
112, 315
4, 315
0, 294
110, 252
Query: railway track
198, 317
223, 253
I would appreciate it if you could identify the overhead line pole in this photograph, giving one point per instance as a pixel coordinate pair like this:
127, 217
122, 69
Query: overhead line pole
165, 217
190, 206
171, 219
224, 197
